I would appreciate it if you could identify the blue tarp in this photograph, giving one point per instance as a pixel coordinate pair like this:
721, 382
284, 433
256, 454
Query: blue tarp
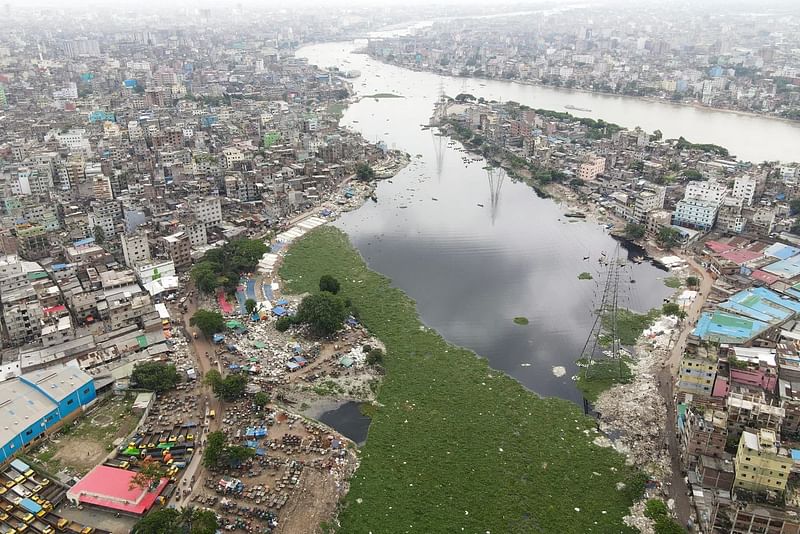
19, 465
255, 431
267, 289
292, 366
255, 317
233, 366
261, 452
277, 310
251, 444
250, 289
218, 338
282, 302
299, 359
796, 455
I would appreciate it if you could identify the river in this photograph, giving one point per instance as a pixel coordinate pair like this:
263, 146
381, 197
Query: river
472, 268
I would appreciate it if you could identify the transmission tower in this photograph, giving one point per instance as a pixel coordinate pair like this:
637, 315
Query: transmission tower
603, 342
496, 176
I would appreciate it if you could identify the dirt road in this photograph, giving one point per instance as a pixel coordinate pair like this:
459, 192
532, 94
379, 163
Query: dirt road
678, 489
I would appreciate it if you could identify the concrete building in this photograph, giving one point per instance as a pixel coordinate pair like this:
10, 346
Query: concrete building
744, 188
207, 210
36, 403
591, 169
760, 464
179, 249
135, 248
698, 371
700, 214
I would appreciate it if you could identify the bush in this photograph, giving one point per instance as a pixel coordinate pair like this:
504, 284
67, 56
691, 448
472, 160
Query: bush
375, 357
655, 508
325, 312
283, 323
329, 284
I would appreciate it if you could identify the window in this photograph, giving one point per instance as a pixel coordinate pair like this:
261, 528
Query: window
71, 401
28, 432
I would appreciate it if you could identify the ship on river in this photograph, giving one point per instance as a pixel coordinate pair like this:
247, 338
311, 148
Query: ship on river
576, 108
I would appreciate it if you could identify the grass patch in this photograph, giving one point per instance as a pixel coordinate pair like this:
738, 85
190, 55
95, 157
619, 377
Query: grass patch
368, 409
630, 325
328, 388
673, 282
384, 95
451, 431
521, 320
603, 375
585, 276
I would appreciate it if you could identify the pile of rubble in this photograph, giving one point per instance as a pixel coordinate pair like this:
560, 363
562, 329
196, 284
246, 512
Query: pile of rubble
633, 415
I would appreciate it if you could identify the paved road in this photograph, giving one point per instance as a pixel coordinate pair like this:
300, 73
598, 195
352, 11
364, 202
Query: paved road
678, 489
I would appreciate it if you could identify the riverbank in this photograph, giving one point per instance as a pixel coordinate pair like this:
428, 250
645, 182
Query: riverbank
692, 105
449, 430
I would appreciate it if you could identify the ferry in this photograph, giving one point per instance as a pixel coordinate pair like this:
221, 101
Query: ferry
576, 108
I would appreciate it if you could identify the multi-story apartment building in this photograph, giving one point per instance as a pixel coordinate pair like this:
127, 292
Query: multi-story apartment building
135, 248
592, 168
207, 210
744, 188
179, 249
760, 464
698, 371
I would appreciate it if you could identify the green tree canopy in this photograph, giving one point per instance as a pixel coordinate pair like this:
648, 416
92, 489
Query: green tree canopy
364, 172
329, 284
250, 305
221, 267
162, 521
692, 174
207, 321
692, 281
670, 308
668, 237
260, 399
283, 323
229, 388
154, 376
325, 312
149, 475
215, 443
634, 231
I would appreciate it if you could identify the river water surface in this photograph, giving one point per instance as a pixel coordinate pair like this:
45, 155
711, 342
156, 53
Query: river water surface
472, 264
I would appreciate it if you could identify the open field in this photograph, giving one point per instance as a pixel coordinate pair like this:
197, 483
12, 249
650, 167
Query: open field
84, 443
455, 445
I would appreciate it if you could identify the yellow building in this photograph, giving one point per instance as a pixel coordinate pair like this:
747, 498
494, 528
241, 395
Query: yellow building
698, 371
760, 466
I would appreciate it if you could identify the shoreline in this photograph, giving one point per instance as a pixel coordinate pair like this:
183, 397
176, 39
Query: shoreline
652, 99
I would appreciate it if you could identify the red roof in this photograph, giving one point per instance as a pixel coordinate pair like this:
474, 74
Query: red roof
718, 247
741, 255
110, 487
55, 309
765, 277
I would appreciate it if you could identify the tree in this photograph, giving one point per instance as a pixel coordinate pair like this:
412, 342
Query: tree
634, 231
655, 508
375, 357
99, 234
250, 305
668, 237
229, 388
203, 522
159, 522
364, 172
283, 323
329, 284
692, 174
670, 308
149, 475
637, 165
236, 454
207, 321
154, 376
215, 443
463, 97
205, 276
260, 399
325, 312
657, 135
692, 281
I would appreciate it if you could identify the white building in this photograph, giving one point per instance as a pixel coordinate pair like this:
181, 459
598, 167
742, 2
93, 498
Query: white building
135, 249
708, 191
695, 213
207, 210
231, 156
155, 271
744, 187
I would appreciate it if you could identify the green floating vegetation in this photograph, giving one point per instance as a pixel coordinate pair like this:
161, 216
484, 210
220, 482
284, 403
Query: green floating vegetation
630, 325
673, 282
521, 320
450, 430
602, 375
384, 95
585, 276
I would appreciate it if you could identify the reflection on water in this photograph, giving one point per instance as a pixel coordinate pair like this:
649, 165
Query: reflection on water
474, 259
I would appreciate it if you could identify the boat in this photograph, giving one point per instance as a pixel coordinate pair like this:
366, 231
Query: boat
576, 108
434, 198
480, 205
638, 259
575, 215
